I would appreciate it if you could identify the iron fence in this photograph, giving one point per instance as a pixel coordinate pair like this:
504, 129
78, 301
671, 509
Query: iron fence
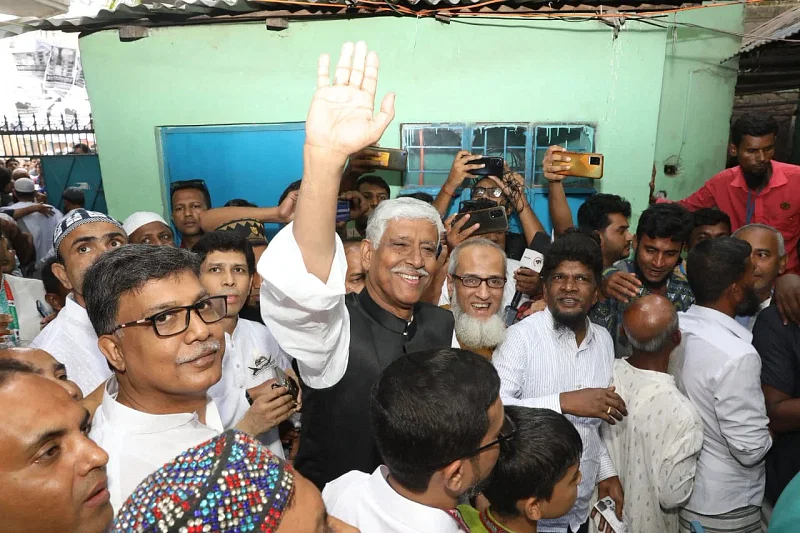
32, 136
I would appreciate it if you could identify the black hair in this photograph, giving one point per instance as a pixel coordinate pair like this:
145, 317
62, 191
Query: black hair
128, 269
5, 177
753, 126
9, 368
52, 284
531, 464
377, 181
595, 211
74, 195
709, 216
575, 245
81, 146
239, 202
425, 197
198, 185
666, 221
714, 265
10, 159
293, 186
225, 241
430, 408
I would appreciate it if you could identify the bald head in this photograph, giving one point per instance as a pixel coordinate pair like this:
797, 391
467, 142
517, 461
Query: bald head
651, 324
45, 365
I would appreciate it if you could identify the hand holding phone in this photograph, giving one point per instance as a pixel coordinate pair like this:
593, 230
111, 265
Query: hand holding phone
607, 510
583, 165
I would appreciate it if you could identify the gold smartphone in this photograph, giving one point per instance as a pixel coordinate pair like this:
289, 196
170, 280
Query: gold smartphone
583, 165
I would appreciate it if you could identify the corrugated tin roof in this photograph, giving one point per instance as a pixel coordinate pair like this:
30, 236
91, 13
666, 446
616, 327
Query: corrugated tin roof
783, 26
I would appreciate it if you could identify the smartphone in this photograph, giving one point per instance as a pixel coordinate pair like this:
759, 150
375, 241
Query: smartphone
608, 510
584, 165
493, 166
342, 211
385, 158
492, 220
285, 381
42, 309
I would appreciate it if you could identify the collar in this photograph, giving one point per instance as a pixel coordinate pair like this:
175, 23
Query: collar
723, 320
385, 318
777, 179
765, 304
75, 311
491, 524
562, 332
622, 365
139, 422
413, 515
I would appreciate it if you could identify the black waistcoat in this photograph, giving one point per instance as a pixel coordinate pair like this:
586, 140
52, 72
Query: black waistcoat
336, 436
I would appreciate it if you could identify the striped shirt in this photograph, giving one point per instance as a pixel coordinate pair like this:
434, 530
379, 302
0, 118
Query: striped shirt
536, 363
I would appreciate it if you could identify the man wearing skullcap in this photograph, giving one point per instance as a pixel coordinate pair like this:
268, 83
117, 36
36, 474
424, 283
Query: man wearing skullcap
79, 240
227, 484
40, 226
148, 228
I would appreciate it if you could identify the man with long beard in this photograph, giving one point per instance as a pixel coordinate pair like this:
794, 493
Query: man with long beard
476, 277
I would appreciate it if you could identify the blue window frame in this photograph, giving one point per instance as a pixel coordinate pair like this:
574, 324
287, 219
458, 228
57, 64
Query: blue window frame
432, 147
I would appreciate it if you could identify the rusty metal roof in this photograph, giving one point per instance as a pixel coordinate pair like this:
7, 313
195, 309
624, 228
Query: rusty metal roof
785, 25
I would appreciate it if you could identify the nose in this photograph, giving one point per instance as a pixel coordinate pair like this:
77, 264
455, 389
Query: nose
415, 258
483, 291
92, 456
628, 236
198, 330
72, 389
228, 280
658, 260
570, 285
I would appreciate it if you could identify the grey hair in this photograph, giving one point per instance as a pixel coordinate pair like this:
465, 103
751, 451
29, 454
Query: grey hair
778, 234
128, 269
401, 208
454, 256
655, 344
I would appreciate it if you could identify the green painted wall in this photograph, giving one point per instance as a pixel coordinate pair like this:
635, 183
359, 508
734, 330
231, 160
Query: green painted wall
697, 99
223, 74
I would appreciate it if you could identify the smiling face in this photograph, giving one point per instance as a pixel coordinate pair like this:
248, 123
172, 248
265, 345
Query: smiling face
53, 476
400, 268
570, 292
484, 262
657, 258
226, 274
186, 364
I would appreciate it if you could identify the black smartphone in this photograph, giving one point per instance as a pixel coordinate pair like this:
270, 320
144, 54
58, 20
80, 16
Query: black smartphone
492, 220
493, 167
41, 308
342, 211
287, 382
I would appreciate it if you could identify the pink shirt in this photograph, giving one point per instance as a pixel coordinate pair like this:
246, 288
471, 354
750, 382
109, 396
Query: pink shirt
777, 205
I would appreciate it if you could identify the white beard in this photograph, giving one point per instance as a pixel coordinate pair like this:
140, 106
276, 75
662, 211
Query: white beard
474, 332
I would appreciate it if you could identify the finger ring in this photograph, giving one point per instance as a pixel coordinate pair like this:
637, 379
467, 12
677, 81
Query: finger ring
609, 410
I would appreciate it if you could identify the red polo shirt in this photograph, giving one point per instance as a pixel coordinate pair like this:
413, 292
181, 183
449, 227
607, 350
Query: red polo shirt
777, 205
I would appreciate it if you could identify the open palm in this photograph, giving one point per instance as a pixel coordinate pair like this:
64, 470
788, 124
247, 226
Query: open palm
341, 117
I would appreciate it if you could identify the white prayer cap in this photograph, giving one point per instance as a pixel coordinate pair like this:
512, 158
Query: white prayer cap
137, 220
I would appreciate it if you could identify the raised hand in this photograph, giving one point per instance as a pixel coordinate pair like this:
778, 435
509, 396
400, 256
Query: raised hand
341, 118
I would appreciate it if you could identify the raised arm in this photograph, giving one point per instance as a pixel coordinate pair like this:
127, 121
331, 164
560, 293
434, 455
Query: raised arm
560, 213
462, 164
213, 218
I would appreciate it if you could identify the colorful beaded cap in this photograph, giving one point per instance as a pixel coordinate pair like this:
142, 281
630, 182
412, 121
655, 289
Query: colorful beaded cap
228, 484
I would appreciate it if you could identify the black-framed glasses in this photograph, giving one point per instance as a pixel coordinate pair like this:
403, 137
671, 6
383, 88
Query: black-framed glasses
507, 433
487, 192
473, 282
176, 320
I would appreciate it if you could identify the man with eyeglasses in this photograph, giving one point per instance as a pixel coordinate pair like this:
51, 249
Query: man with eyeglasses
439, 423
477, 275
162, 333
557, 359
189, 199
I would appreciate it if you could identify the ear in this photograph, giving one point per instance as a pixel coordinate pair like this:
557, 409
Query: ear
111, 348
531, 509
455, 477
782, 265
677, 337
60, 271
366, 254
733, 150
596, 294
450, 285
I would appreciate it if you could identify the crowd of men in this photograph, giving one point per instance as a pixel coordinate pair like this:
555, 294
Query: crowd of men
364, 376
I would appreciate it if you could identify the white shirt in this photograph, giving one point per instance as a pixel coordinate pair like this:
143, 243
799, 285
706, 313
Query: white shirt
536, 363
71, 339
370, 504
140, 443
41, 227
307, 317
512, 265
251, 356
721, 375
654, 448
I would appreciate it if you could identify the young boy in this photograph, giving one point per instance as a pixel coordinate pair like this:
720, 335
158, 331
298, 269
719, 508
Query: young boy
536, 476
252, 354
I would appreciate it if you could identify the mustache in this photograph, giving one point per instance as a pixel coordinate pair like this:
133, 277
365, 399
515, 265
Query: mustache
410, 271
204, 348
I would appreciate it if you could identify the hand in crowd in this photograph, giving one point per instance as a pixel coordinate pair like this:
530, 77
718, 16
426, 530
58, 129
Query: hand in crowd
44, 209
360, 163
528, 281
621, 286
613, 488
514, 189
358, 204
270, 407
555, 162
535, 307
595, 403
462, 165
341, 118
453, 229
787, 296
286, 209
